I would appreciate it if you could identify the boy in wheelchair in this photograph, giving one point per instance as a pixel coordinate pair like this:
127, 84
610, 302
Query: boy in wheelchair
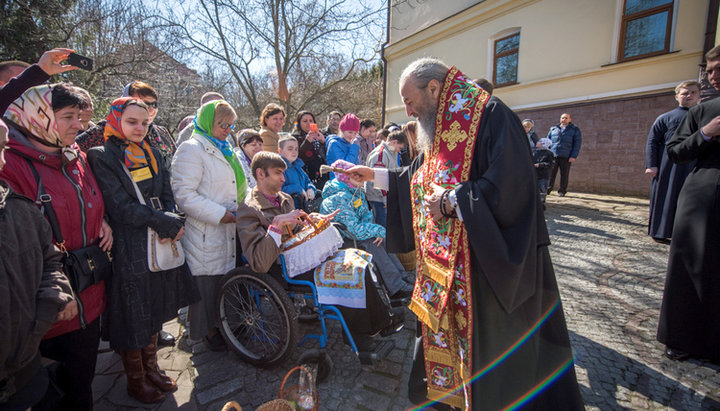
346, 196
261, 229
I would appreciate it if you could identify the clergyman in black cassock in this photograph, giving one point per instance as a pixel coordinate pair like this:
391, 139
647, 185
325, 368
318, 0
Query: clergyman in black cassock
521, 350
690, 313
669, 176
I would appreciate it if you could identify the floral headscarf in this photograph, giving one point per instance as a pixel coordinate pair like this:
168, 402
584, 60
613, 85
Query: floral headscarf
33, 112
136, 156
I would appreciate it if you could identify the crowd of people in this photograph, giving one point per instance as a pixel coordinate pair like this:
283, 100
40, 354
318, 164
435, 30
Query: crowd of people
70, 187
101, 187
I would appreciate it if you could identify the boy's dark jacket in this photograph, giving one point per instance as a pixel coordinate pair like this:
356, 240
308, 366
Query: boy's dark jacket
545, 159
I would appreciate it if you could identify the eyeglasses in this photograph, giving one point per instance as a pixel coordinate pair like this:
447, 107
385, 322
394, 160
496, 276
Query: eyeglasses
152, 104
226, 126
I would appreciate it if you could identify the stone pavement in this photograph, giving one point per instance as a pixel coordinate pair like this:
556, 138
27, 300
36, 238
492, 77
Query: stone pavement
611, 278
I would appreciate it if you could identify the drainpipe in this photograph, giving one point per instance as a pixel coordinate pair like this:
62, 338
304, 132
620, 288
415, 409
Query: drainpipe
384, 64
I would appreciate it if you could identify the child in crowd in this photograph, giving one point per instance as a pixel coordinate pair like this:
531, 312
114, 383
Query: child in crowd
385, 155
346, 194
543, 159
297, 183
341, 147
365, 139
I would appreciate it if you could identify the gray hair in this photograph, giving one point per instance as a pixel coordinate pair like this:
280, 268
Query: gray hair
422, 70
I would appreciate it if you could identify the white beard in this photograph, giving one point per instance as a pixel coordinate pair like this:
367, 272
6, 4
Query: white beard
426, 132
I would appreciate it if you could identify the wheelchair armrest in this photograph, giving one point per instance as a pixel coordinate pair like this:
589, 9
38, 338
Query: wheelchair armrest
342, 228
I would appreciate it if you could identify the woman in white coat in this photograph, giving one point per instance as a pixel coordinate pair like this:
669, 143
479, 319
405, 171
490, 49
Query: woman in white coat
209, 183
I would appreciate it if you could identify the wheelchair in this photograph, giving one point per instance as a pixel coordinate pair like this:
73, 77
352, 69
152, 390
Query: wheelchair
259, 319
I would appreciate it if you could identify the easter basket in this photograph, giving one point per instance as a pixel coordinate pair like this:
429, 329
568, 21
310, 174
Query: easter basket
310, 247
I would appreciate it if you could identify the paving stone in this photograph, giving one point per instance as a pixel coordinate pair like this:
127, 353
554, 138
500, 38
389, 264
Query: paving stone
102, 384
218, 391
611, 279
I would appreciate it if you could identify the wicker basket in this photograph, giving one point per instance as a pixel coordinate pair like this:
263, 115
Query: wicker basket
310, 247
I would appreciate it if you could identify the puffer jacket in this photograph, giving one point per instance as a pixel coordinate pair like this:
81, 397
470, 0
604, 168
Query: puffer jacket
76, 199
354, 211
203, 183
565, 143
296, 180
33, 288
339, 149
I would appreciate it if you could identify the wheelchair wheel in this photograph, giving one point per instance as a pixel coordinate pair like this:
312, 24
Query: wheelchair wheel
319, 358
257, 318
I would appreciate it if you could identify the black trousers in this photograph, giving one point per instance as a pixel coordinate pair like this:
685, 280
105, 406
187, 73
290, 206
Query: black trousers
76, 353
564, 165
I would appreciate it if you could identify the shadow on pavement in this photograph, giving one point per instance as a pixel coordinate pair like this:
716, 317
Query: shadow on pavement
629, 378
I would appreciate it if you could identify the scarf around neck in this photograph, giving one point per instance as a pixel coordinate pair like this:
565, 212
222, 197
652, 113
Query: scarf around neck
203, 122
136, 155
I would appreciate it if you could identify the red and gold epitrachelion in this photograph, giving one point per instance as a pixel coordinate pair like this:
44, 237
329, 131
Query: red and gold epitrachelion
442, 297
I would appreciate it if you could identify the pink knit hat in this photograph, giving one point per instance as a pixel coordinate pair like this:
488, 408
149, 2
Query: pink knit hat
350, 123
345, 165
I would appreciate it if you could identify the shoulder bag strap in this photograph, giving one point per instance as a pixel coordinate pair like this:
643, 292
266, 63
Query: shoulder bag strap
137, 189
44, 200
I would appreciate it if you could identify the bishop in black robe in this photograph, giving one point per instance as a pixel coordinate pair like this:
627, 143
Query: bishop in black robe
690, 312
516, 303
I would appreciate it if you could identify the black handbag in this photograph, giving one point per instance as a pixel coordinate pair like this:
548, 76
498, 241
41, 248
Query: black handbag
83, 267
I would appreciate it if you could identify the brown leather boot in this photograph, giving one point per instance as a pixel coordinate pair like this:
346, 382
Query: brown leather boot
138, 386
152, 371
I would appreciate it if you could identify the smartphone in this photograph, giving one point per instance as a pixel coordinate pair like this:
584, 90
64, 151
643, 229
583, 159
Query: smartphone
313, 127
79, 61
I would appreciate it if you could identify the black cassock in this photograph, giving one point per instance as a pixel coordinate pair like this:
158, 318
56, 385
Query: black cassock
665, 187
513, 281
690, 313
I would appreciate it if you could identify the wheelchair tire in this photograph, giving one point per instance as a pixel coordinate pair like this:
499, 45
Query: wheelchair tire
257, 318
321, 358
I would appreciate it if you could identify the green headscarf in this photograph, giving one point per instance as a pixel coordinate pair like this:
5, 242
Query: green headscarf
204, 122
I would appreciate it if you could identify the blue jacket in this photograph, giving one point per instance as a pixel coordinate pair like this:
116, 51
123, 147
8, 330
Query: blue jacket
339, 149
565, 143
354, 210
296, 180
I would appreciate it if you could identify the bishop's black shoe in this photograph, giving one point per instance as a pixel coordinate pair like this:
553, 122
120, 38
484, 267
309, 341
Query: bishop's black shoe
676, 355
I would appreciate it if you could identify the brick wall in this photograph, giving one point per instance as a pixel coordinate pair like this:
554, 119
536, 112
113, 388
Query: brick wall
614, 132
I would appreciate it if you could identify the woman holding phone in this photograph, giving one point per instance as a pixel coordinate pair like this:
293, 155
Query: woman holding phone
312, 147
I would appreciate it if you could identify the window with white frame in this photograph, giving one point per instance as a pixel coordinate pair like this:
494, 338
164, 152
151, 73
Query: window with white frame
505, 60
645, 29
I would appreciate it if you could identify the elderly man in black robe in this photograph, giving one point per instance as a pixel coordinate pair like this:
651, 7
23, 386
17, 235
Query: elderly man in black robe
690, 312
492, 325
667, 177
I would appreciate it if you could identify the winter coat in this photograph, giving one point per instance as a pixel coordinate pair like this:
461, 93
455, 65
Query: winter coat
253, 220
245, 163
139, 301
544, 158
365, 148
204, 186
382, 157
296, 180
312, 153
33, 288
339, 149
565, 143
270, 140
76, 200
354, 212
